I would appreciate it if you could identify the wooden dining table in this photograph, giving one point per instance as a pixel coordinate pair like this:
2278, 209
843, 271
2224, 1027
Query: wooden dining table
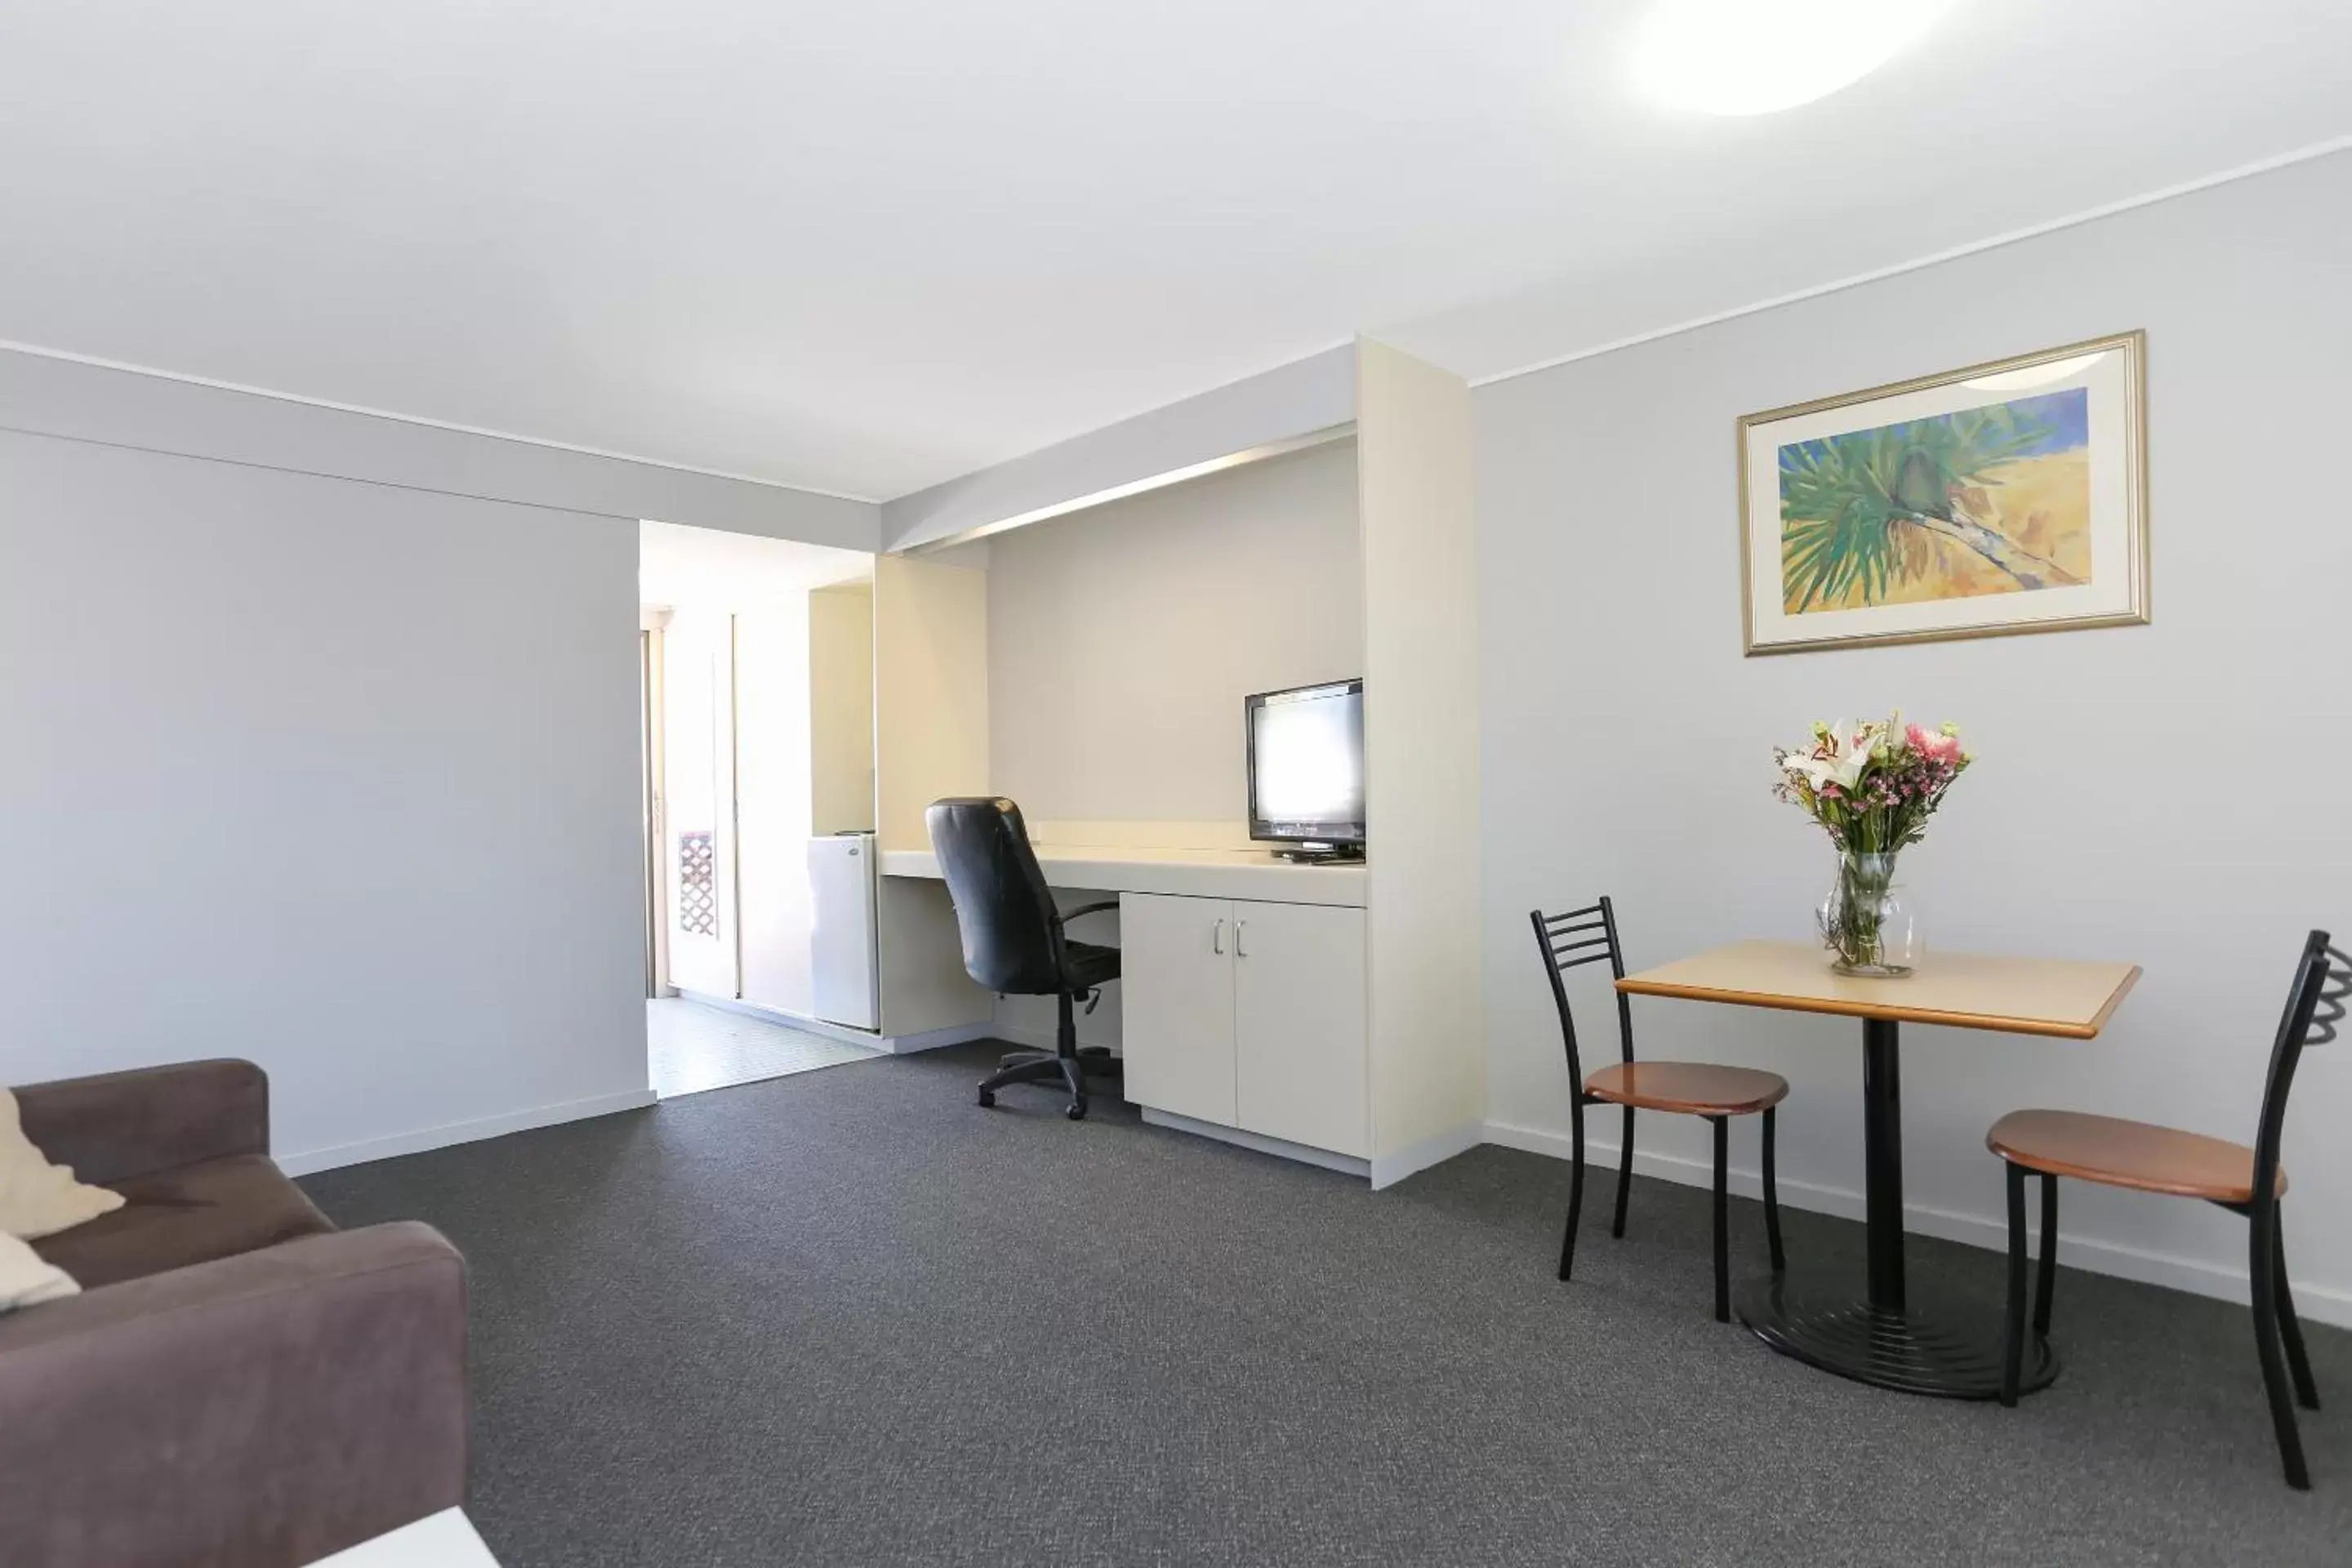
1882, 1337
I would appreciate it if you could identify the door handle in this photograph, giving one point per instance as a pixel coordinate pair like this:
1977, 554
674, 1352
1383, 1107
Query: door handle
1217, 939
1239, 927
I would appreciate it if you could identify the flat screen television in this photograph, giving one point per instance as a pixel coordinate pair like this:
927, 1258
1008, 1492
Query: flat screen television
1307, 769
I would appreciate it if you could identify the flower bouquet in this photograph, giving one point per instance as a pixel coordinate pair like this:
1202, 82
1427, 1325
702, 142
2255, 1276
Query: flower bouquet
1871, 786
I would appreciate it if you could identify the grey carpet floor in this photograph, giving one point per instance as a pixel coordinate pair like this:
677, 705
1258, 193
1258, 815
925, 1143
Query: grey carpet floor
848, 1317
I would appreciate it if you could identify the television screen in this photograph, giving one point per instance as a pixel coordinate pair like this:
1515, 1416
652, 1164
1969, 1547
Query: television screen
1307, 763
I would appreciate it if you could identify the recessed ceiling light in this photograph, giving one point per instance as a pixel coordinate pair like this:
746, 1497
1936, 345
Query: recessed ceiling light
1753, 57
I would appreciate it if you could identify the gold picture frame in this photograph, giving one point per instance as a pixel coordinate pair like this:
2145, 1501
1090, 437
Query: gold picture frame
1998, 498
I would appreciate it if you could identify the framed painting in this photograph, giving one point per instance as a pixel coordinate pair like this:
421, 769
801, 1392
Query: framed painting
2008, 497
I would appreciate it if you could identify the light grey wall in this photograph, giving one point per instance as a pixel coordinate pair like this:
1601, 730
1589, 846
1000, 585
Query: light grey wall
338, 777
1122, 640
2171, 794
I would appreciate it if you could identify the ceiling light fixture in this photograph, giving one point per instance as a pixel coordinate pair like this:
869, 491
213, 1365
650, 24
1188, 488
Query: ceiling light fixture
1754, 57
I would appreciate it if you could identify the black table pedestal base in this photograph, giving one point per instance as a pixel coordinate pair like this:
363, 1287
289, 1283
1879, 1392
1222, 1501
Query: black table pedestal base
1949, 1355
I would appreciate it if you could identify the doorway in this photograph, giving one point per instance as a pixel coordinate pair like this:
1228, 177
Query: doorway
753, 653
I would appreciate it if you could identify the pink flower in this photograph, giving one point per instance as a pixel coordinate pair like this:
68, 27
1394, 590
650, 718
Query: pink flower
1935, 745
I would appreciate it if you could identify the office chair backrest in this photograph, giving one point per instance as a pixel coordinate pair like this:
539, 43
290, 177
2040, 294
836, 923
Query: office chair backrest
1580, 937
1012, 929
2314, 1005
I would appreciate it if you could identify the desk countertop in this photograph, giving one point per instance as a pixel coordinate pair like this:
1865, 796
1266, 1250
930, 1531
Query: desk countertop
1194, 873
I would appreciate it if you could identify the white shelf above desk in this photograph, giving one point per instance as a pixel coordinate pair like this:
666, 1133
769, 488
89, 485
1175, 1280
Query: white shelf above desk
1189, 873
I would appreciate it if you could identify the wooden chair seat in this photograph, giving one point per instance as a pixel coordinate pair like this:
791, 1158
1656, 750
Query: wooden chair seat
1696, 1089
2123, 1153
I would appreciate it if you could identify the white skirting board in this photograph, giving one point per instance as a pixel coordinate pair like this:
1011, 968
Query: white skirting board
932, 1040
448, 1133
2314, 1302
1346, 1164
897, 1045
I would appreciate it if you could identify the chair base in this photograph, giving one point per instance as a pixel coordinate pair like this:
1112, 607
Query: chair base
1909, 1350
1051, 1066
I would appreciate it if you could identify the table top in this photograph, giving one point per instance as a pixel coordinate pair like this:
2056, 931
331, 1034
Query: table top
1970, 991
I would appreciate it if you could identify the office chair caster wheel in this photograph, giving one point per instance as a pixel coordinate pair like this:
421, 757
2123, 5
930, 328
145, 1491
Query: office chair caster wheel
988, 1097
1077, 1109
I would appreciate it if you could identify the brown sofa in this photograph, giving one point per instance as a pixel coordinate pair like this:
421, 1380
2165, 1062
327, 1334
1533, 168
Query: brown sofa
240, 1384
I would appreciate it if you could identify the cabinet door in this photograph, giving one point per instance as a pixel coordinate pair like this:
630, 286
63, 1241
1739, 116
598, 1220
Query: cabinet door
1301, 1054
1176, 968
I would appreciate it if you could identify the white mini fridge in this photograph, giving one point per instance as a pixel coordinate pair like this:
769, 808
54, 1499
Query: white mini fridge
841, 875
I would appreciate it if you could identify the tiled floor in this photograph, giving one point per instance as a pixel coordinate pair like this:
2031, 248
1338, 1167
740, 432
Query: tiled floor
694, 1048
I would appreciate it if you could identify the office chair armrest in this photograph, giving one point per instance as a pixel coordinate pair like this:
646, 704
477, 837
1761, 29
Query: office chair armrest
1093, 908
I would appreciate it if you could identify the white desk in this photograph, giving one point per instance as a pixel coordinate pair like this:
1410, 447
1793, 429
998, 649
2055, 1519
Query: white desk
1188, 873
1244, 1009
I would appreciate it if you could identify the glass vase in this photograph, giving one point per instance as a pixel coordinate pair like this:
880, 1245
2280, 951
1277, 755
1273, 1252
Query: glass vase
1865, 923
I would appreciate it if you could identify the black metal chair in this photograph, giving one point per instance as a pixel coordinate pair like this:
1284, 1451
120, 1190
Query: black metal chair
2152, 1159
1690, 1088
1013, 940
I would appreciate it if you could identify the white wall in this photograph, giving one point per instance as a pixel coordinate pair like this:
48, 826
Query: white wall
1415, 425
841, 708
2171, 794
775, 808
1122, 640
930, 741
339, 776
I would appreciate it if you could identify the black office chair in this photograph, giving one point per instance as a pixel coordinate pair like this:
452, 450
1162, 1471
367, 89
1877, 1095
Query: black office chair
1013, 939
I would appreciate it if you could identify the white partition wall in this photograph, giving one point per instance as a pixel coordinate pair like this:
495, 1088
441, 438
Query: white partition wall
930, 691
841, 708
1415, 490
930, 739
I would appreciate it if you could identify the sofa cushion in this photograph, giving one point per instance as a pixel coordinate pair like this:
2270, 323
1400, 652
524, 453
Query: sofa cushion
190, 1214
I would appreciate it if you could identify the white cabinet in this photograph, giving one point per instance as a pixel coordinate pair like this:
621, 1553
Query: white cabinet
1176, 976
1247, 1015
1300, 1066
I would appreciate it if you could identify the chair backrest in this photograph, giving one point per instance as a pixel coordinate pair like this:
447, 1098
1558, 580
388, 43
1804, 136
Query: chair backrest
1569, 941
1012, 929
2314, 1005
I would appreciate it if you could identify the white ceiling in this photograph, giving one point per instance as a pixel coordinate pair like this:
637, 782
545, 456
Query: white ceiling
861, 248
703, 568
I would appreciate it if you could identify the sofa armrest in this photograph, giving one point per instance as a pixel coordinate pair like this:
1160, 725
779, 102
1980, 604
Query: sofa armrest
260, 1411
118, 1125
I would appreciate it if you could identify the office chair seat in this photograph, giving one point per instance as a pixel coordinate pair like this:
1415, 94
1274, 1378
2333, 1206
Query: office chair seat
1088, 966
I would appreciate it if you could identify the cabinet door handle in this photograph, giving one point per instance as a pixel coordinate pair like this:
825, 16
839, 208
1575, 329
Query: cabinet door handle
1239, 927
1217, 939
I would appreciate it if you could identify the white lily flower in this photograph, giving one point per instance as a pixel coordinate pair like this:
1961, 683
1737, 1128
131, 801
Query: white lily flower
1854, 745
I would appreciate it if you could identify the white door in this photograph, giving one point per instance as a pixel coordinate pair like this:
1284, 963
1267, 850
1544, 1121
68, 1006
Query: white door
1298, 1024
1176, 968
698, 823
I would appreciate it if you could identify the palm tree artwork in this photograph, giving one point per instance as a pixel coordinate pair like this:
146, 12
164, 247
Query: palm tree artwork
1991, 499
